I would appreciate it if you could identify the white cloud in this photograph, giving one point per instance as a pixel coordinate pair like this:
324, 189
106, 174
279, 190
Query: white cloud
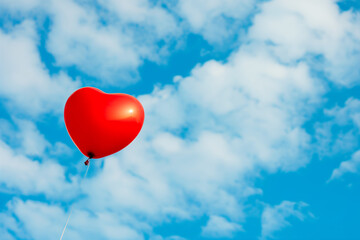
5, 235
158, 237
219, 227
347, 121
37, 220
338, 134
26, 86
60, 149
347, 115
350, 166
108, 40
275, 218
77, 38
148, 15
25, 138
21, 174
110, 51
20, 6
255, 100
33, 143
215, 20
297, 30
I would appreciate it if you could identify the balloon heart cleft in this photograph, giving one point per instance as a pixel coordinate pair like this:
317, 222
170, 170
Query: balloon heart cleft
101, 124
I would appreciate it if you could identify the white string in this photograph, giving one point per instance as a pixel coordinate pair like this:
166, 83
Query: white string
66, 224
67, 221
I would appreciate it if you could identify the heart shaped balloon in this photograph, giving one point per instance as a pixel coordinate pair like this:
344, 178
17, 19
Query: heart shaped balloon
101, 124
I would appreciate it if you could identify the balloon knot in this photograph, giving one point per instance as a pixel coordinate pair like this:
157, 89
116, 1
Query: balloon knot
87, 162
90, 155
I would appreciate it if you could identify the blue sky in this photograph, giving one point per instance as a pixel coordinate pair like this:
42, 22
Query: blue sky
251, 130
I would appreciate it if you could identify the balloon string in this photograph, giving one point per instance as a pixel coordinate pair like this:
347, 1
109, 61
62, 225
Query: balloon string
66, 224
87, 162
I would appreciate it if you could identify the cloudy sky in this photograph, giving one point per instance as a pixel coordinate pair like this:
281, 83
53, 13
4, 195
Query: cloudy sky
251, 130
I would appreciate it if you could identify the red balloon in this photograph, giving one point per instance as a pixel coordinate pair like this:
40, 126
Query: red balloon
101, 124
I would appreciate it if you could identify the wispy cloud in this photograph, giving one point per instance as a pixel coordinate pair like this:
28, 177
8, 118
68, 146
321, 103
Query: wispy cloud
275, 218
219, 227
350, 166
339, 135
